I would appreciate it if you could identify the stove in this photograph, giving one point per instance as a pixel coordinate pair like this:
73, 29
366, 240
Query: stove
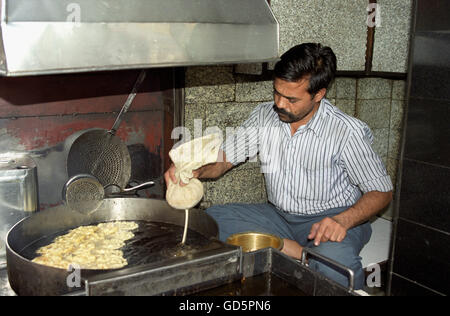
212, 272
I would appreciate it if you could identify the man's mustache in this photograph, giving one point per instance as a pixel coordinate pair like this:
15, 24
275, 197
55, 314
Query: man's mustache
280, 111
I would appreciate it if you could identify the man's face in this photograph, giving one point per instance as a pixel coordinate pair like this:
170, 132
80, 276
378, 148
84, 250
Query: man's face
293, 103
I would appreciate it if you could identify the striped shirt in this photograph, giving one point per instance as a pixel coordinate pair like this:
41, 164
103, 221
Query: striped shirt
327, 163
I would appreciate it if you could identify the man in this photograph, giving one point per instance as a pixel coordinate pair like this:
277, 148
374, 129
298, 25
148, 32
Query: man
323, 179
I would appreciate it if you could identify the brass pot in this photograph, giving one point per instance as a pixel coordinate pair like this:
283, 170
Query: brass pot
252, 241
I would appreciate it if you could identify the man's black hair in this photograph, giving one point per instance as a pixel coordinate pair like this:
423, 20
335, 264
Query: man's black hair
308, 60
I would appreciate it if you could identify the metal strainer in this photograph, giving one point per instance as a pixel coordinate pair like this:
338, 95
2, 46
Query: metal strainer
83, 193
100, 153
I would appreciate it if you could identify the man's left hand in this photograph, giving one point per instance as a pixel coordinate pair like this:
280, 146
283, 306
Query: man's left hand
327, 229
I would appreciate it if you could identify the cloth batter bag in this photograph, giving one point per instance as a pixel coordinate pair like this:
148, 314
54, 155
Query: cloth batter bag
186, 158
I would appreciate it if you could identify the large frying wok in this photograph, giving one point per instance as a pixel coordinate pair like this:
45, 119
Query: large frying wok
28, 278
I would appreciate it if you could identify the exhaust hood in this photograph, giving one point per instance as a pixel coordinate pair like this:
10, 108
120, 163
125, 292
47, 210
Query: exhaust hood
64, 36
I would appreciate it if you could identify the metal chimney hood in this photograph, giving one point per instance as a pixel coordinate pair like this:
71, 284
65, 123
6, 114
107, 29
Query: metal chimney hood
65, 36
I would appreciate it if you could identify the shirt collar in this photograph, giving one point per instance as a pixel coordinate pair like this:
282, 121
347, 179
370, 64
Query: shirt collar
315, 124
317, 121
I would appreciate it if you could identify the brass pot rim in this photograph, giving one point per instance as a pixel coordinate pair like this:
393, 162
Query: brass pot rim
255, 233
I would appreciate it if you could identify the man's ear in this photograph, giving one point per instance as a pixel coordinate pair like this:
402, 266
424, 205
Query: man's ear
320, 95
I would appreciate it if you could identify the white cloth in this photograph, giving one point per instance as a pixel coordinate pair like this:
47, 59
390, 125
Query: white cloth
186, 158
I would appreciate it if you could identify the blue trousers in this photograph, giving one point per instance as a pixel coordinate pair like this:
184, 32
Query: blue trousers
265, 218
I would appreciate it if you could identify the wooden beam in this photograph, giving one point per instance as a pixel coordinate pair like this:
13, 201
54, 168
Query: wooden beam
370, 42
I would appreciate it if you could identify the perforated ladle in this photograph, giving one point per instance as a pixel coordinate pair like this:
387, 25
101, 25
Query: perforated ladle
84, 193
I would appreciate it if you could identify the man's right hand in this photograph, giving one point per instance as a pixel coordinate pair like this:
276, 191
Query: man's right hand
210, 171
169, 175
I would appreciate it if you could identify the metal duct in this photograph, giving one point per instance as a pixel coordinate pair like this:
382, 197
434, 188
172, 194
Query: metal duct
65, 36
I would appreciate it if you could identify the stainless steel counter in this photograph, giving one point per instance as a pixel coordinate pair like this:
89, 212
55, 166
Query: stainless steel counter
151, 281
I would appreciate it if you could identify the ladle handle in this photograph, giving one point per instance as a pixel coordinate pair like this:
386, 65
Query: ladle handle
122, 191
140, 186
127, 104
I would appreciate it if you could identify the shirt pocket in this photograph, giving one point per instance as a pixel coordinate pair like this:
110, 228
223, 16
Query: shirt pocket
316, 180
